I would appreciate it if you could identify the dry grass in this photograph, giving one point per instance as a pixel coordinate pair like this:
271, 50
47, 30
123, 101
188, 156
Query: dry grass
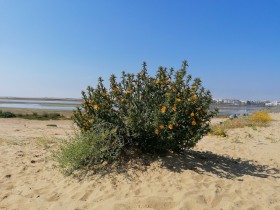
258, 118
46, 142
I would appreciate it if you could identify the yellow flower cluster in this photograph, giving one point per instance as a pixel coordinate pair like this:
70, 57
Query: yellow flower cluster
95, 106
129, 91
156, 131
163, 109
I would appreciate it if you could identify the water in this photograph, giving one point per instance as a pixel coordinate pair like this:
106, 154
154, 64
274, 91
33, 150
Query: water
39, 101
36, 106
71, 105
39, 104
238, 110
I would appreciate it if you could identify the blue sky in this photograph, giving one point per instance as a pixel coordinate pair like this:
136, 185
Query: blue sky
56, 48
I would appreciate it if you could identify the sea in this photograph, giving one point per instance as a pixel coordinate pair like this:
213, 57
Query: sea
68, 105
44, 104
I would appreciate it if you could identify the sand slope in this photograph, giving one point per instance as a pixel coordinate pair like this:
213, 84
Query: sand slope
238, 172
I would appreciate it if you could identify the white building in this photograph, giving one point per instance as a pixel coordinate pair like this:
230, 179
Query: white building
274, 103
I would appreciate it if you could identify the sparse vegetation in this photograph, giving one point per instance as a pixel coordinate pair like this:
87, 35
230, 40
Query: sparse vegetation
33, 116
258, 118
46, 142
6, 114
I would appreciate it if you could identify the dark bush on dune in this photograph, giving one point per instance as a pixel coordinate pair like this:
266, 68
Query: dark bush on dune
154, 115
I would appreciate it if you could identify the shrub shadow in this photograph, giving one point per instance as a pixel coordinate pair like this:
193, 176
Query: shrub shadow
201, 162
219, 165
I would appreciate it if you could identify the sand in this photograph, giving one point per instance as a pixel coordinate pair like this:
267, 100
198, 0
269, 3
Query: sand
237, 172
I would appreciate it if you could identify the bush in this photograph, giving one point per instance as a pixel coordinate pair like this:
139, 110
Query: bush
44, 116
90, 148
153, 114
6, 114
146, 114
260, 117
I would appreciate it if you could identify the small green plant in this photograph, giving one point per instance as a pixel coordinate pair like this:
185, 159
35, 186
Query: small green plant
88, 149
33, 116
46, 142
237, 140
218, 130
6, 114
44, 116
52, 125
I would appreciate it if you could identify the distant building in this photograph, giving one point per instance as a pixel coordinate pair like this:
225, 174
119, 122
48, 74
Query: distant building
239, 102
227, 101
274, 103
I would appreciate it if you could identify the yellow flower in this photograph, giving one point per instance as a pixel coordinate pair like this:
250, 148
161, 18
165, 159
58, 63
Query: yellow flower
128, 91
157, 81
95, 107
174, 108
170, 127
194, 97
193, 122
156, 131
161, 127
176, 124
192, 114
177, 99
123, 100
163, 109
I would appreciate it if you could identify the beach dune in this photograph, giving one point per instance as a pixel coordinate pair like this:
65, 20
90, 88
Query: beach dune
237, 172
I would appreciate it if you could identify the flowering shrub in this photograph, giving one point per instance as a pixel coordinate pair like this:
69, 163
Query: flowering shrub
260, 117
168, 112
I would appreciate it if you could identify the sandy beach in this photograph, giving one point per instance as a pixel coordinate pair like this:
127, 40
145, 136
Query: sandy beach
241, 171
